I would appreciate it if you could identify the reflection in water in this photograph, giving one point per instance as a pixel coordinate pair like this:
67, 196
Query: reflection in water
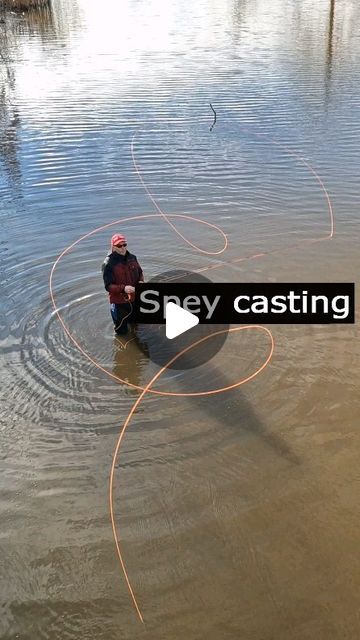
129, 360
9, 127
239, 13
330, 48
9, 113
37, 21
237, 512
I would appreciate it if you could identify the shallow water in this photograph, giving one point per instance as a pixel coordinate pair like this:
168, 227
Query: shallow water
238, 513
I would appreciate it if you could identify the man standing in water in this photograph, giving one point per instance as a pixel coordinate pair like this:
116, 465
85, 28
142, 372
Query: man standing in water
121, 272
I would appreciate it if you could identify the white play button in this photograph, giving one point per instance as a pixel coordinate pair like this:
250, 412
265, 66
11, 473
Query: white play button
178, 320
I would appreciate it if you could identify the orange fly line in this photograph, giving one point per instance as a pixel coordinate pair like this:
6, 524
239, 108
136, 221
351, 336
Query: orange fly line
169, 218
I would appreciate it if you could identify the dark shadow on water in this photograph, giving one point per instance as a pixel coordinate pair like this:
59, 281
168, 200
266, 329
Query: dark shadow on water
231, 409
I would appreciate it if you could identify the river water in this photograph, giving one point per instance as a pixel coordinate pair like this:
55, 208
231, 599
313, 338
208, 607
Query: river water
238, 513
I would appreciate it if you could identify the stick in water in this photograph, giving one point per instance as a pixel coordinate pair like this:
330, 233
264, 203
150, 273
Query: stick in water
212, 126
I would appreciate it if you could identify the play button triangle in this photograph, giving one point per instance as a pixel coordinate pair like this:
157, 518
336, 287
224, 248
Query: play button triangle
178, 320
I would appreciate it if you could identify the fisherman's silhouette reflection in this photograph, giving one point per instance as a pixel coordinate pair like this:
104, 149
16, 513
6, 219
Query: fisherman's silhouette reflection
130, 359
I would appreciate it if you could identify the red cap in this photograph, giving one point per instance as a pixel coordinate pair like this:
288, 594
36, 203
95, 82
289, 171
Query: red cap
118, 238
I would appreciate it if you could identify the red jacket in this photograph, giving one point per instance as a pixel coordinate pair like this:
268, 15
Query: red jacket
119, 271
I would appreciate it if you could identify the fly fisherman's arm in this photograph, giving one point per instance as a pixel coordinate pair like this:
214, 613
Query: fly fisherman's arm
108, 277
130, 289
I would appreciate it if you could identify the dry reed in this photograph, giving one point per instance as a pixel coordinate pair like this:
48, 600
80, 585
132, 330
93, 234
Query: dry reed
24, 5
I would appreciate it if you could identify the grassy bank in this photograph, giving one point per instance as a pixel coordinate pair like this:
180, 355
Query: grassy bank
24, 5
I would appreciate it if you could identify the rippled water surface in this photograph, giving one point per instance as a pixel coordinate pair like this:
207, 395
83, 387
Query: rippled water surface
237, 513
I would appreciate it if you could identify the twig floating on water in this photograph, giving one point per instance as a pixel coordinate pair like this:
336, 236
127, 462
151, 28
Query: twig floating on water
214, 112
